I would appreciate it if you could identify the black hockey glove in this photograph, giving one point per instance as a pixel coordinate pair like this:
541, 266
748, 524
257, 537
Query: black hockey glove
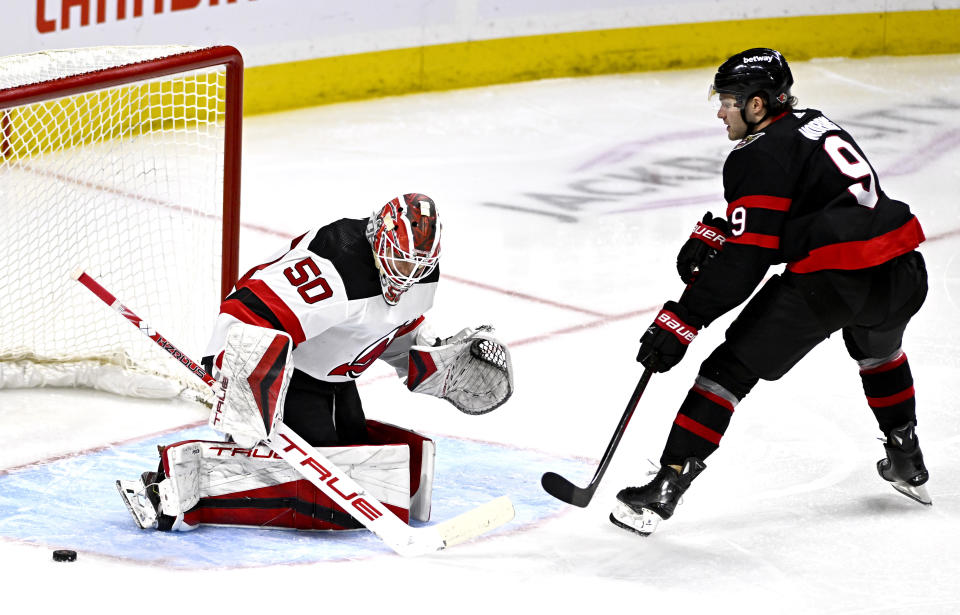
704, 243
665, 341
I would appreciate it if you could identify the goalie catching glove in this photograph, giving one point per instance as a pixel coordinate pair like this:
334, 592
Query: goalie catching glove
471, 370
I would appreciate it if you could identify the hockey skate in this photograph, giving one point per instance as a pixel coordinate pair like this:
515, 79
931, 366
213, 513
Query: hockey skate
903, 466
640, 509
141, 498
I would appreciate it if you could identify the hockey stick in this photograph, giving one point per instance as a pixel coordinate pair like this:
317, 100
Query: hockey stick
562, 489
327, 477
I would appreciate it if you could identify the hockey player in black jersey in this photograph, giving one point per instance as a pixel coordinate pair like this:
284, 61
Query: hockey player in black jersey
799, 191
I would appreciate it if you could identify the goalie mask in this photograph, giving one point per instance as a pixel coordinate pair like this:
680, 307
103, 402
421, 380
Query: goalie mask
405, 237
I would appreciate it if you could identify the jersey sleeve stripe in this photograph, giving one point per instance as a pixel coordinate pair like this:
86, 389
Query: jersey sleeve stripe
249, 274
756, 239
851, 255
296, 241
243, 313
760, 201
276, 305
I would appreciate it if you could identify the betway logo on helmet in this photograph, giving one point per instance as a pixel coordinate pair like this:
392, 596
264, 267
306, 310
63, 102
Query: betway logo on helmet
758, 59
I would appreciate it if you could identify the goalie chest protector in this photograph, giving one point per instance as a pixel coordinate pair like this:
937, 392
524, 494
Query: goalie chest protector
324, 290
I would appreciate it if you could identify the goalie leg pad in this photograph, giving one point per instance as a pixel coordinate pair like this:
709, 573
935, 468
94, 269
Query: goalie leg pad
222, 483
422, 456
256, 372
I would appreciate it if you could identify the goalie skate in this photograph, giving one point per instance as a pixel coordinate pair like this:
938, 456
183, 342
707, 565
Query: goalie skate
134, 496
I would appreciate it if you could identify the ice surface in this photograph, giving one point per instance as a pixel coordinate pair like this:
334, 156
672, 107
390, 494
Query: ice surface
564, 203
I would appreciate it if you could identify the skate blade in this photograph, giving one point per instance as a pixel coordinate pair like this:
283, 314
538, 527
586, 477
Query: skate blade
643, 523
130, 491
917, 494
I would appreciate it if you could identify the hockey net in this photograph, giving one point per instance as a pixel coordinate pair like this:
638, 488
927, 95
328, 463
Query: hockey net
124, 161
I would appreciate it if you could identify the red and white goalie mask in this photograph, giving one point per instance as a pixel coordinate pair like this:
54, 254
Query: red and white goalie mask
405, 236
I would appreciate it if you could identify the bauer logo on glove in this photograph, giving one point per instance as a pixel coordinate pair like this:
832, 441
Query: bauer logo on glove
666, 339
471, 370
709, 235
669, 321
704, 243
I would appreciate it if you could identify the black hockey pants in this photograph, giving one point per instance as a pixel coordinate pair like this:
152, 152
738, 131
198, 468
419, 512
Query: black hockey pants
793, 313
324, 413
784, 321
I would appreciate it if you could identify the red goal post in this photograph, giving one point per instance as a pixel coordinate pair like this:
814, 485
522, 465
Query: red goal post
125, 161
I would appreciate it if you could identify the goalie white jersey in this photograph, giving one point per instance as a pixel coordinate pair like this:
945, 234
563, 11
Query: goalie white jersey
324, 291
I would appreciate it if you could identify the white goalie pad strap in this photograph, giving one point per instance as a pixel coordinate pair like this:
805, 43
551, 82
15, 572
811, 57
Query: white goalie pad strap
256, 373
472, 370
202, 469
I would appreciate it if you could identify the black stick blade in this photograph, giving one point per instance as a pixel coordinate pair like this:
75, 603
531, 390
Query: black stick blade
565, 491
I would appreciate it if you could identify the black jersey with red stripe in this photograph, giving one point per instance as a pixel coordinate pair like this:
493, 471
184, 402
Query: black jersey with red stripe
800, 192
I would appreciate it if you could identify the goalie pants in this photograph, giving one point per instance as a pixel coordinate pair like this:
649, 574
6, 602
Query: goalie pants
784, 321
324, 413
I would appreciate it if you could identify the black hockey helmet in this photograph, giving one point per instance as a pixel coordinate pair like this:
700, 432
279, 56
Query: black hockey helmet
754, 71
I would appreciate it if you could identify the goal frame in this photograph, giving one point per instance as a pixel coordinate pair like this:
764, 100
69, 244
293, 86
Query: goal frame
185, 61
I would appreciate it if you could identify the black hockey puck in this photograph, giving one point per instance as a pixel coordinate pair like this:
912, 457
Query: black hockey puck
64, 555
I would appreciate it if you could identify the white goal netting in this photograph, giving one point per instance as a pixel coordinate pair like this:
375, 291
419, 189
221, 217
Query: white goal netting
105, 165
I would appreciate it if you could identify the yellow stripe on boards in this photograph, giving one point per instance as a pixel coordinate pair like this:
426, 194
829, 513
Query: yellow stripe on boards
485, 62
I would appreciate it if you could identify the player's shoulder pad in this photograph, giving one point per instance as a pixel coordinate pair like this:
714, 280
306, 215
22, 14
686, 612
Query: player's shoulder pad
344, 244
756, 165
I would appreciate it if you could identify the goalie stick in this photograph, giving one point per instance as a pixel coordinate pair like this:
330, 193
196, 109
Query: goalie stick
327, 477
563, 489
